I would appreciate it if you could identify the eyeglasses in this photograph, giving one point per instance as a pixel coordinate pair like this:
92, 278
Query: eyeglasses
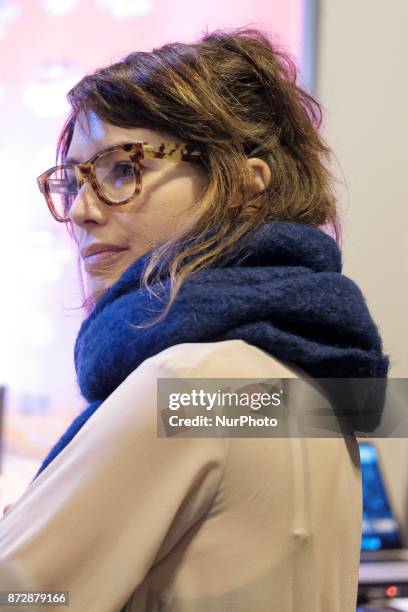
115, 174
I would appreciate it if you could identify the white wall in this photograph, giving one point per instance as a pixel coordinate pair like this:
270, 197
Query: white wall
362, 81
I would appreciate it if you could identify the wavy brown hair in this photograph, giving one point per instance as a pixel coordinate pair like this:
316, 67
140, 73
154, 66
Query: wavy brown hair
235, 95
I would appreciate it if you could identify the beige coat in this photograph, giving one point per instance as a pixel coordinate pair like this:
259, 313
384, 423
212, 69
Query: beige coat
126, 521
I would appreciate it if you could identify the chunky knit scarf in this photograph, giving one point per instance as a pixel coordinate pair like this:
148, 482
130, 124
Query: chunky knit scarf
283, 292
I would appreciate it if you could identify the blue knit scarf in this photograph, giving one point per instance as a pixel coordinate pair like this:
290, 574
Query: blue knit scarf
283, 292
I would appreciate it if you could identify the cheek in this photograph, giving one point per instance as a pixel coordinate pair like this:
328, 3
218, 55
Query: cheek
163, 211
165, 206
172, 213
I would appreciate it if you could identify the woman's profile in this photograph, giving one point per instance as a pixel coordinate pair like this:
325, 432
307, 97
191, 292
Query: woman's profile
195, 185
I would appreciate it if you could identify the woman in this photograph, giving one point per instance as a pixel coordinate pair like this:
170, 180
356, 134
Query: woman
200, 173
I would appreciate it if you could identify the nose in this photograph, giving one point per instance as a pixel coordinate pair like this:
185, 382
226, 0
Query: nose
88, 208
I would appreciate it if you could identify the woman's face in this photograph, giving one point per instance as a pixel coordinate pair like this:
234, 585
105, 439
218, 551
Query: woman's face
157, 214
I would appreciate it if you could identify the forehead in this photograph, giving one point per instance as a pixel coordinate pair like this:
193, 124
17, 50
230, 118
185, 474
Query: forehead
91, 136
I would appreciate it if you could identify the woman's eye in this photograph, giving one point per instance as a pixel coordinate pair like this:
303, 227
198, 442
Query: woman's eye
116, 175
124, 169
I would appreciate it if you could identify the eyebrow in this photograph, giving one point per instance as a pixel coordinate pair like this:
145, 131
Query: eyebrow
73, 160
147, 160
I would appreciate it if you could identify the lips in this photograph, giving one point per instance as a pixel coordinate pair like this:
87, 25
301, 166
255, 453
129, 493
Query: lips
99, 247
102, 260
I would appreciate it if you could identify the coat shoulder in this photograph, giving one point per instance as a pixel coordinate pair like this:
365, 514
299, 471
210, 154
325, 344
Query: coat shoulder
227, 358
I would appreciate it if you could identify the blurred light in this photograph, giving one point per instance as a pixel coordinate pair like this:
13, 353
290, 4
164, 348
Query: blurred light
56, 70
34, 404
66, 255
370, 543
121, 9
9, 12
33, 264
368, 454
13, 212
45, 243
1, 93
391, 591
38, 330
48, 99
40, 238
42, 267
59, 7
43, 158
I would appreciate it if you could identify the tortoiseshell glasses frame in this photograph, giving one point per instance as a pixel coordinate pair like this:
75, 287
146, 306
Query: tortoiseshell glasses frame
86, 171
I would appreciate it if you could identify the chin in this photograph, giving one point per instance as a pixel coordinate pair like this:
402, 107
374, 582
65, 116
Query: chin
99, 281
97, 286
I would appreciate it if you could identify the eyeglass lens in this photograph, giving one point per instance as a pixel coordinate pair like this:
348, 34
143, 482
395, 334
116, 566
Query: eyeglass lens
114, 175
